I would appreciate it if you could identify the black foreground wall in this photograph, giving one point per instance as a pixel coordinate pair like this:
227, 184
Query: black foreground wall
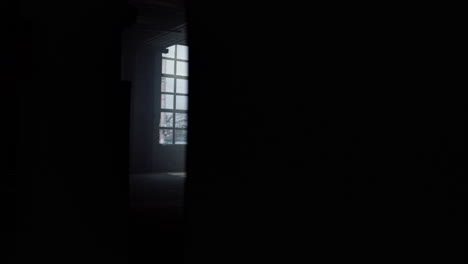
329, 145
71, 152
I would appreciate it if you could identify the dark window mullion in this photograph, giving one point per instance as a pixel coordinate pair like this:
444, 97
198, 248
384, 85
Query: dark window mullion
175, 76
175, 89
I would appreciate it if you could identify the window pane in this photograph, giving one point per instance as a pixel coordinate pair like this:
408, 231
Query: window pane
166, 119
165, 136
182, 68
167, 84
182, 52
168, 66
167, 101
181, 120
181, 136
181, 102
171, 52
182, 86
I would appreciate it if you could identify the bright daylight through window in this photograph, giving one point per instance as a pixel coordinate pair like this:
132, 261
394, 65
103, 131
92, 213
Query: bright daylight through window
174, 99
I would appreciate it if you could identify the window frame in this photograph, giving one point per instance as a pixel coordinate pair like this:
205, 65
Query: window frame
175, 93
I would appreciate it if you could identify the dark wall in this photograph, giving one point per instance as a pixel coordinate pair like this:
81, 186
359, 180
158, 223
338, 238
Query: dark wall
325, 147
72, 138
12, 60
139, 62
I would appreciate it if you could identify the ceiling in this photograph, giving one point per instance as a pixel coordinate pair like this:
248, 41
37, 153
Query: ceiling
176, 4
159, 17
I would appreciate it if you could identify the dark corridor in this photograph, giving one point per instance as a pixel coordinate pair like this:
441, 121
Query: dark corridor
317, 131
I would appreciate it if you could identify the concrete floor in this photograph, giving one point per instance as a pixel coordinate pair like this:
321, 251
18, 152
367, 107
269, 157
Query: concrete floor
156, 217
157, 190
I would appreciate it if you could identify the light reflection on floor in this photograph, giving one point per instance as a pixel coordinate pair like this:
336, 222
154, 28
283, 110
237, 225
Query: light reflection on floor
181, 174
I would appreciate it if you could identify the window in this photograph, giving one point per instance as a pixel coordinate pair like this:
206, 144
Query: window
174, 96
